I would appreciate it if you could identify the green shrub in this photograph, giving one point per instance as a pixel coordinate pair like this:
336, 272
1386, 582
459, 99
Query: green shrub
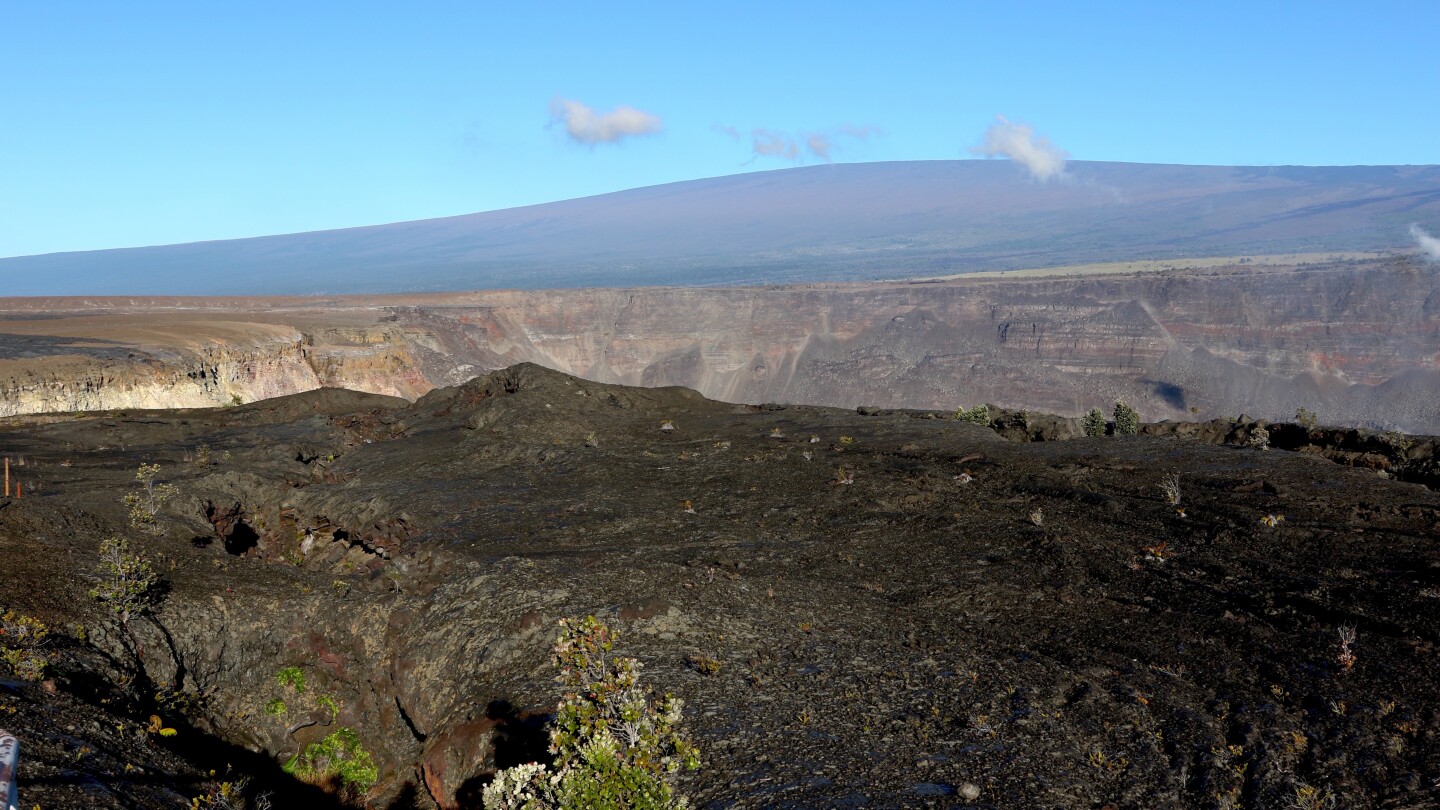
1398, 441
1305, 418
1094, 423
1127, 420
21, 641
615, 746
980, 414
128, 586
339, 758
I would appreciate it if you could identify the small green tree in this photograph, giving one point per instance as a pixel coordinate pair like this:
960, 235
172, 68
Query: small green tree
1127, 419
146, 504
615, 746
128, 585
1094, 423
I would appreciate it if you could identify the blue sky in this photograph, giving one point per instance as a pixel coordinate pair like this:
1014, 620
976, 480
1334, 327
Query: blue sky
145, 123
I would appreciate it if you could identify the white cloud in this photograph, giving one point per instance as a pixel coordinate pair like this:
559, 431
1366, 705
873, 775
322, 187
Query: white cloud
584, 125
1018, 142
1429, 245
723, 129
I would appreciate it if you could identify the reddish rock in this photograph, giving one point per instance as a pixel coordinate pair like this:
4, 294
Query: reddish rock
454, 758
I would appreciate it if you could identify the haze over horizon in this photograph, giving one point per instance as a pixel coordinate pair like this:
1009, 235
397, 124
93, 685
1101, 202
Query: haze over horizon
166, 123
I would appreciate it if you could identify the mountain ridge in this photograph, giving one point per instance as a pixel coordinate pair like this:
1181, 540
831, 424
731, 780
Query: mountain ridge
837, 222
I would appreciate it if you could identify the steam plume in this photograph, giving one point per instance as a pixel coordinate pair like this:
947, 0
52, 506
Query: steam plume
1429, 245
820, 144
1018, 142
768, 142
584, 125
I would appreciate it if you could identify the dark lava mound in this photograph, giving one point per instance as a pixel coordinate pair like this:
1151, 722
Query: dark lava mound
905, 609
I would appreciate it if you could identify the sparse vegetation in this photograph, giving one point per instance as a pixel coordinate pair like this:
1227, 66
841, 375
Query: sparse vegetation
1170, 487
293, 677
128, 585
1094, 423
338, 762
1308, 797
1345, 656
1398, 442
979, 415
703, 664
1305, 418
157, 726
231, 796
329, 704
146, 504
1259, 438
22, 642
1127, 419
615, 746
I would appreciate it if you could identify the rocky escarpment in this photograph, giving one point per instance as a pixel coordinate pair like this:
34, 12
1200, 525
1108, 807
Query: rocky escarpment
1353, 341
196, 365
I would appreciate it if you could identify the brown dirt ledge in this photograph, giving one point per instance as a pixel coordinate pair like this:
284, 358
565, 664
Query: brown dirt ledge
890, 642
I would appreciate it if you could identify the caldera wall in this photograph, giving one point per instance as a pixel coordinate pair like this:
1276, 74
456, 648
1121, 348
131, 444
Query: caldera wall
1357, 342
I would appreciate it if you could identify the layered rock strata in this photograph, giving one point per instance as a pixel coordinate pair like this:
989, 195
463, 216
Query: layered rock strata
1356, 342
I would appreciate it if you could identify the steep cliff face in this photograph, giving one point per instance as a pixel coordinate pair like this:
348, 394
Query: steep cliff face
1355, 342
197, 365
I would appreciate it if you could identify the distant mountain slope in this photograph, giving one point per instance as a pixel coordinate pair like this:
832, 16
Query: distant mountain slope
833, 222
